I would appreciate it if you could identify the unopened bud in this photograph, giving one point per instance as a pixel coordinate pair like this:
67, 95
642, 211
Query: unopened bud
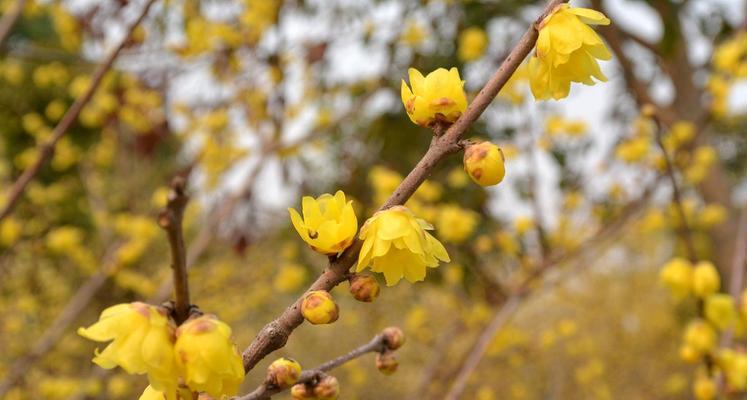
484, 163
706, 280
283, 372
386, 363
394, 338
364, 288
648, 110
327, 388
318, 307
302, 391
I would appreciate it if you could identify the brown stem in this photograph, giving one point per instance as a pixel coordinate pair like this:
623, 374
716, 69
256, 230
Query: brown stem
267, 390
737, 271
170, 219
46, 150
275, 334
9, 20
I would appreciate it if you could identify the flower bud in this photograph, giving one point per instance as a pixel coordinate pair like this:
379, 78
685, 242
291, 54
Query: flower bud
484, 163
689, 354
302, 391
283, 372
706, 280
364, 288
704, 388
327, 388
318, 307
393, 337
386, 363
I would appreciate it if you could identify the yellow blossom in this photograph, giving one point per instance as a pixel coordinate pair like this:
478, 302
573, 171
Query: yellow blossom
472, 44
704, 388
206, 357
699, 336
289, 278
397, 244
567, 51
439, 96
633, 150
142, 342
720, 310
706, 280
455, 223
677, 276
484, 163
329, 223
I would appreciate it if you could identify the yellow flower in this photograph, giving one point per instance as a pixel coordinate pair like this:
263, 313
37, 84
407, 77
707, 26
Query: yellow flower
455, 223
704, 388
567, 51
677, 276
397, 243
706, 280
329, 223
142, 342
484, 163
699, 336
151, 394
472, 44
437, 97
720, 310
206, 357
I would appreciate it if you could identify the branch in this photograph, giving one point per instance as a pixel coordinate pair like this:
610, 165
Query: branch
46, 151
170, 219
267, 389
275, 334
737, 271
9, 19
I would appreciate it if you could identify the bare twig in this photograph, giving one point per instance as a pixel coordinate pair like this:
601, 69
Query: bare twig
737, 271
275, 334
170, 220
9, 19
46, 150
267, 390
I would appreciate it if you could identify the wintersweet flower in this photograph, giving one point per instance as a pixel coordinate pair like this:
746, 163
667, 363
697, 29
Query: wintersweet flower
567, 51
439, 96
206, 357
677, 276
397, 244
142, 343
329, 223
472, 44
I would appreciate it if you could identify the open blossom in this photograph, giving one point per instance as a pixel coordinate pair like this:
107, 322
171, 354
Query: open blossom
439, 96
397, 244
329, 223
141, 342
206, 357
567, 51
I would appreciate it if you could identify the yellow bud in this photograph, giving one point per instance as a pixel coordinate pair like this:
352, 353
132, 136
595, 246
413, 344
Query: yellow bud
704, 388
364, 288
283, 372
386, 363
706, 280
689, 354
484, 163
302, 392
327, 388
700, 336
393, 337
437, 97
318, 307
720, 310
677, 276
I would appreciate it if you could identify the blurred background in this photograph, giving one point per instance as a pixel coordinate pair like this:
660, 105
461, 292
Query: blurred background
259, 102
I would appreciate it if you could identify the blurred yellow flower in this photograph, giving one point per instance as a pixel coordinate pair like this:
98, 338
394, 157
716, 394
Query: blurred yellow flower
567, 51
472, 44
677, 276
439, 96
706, 280
329, 223
720, 310
289, 278
455, 223
397, 244
700, 336
206, 357
142, 342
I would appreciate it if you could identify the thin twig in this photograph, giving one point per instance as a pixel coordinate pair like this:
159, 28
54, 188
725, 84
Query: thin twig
46, 150
9, 20
170, 219
737, 271
267, 390
275, 334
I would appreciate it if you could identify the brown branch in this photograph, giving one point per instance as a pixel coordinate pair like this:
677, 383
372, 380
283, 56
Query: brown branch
9, 19
275, 334
737, 271
170, 219
267, 389
46, 150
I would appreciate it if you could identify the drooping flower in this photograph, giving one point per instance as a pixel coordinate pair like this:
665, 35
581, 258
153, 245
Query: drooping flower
567, 51
472, 43
142, 342
329, 223
397, 244
207, 359
439, 96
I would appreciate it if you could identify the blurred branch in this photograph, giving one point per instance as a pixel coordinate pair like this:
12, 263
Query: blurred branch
511, 305
267, 389
170, 219
275, 334
46, 150
9, 19
737, 271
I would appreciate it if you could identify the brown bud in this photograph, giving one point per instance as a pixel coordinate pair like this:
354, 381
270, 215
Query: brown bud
364, 288
327, 388
394, 338
318, 307
386, 363
302, 391
283, 372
